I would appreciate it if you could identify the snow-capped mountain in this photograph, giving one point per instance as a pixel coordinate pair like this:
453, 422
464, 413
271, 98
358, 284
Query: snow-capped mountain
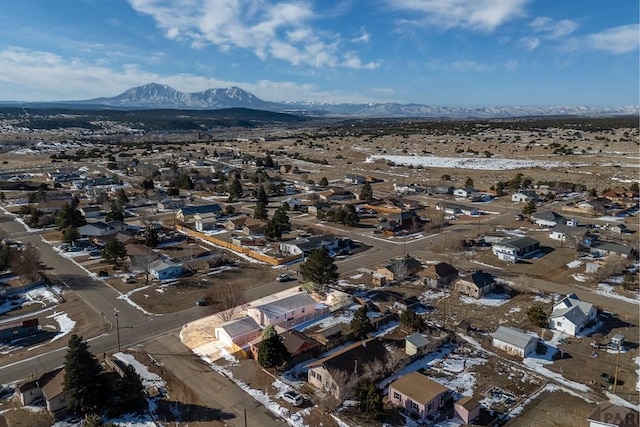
154, 96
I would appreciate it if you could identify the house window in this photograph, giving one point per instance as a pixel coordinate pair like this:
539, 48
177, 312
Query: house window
430, 407
414, 406
396, 395
302, 309
319, 377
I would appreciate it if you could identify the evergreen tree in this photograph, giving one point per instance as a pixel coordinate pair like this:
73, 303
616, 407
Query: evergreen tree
268, 162
529, 208
350, 216
366, 192
260, 211
324, 182
83, 380
70, 234
235, 189
272, 351
262, 196
151, 238
369, 398
500, 188
277, 225
468, 182
122, 198
319, 269
635, 187
114, 251
361, 324
69, 216
537, 316
413, 320
130, 392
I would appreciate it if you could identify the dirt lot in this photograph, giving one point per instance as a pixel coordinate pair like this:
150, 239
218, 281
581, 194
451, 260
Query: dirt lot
554, 409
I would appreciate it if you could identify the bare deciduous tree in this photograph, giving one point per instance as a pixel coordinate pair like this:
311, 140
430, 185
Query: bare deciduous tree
143, 263
344, 382
227, 299
612, 266
26, 262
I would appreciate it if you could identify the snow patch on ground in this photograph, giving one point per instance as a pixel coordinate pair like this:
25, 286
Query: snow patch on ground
574, 264
66, 324
148, 378
478, 163
490, 300
609, 291
579, 277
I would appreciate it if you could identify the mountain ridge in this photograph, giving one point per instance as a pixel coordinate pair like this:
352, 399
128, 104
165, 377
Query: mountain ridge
161, 96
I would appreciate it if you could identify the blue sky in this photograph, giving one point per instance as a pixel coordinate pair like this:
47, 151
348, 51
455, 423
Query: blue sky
437, 52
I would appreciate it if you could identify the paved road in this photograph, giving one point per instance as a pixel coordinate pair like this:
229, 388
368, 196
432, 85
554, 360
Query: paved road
213, 390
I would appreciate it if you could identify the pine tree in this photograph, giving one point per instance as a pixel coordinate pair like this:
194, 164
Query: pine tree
260, 211
114, 251
130, 392
366, 192
277, 225
413, 320
468, 182
369, 398
262, 196
235, 189
272, 352
361, 324
83, 380
68, 215
529, 208
319, 269
70, 234
324, 182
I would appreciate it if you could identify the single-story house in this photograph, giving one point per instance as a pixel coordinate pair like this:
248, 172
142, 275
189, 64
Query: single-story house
416, 344
403, 221
163, 270
547, 219
300, 346
438, 275
467, 409
286, 312
564, 232
319, 207
418, 394
452, 209
571, 315
171, 203
610, 415
19, 329
96, 229
139, 254
237, 333
351, 178
91, 211
475, 285
608, 248
512, 249
398, 268
49, 386
618, 229
514, 341
345, 366
52, 206
524, 196
293, 202
305, 245
336, 194
186, 214
205, 221
466, 192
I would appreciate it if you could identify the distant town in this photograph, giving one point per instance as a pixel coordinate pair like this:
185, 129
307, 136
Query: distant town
246, 268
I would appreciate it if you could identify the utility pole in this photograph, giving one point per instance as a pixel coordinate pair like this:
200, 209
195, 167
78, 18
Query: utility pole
615, 375
115, 313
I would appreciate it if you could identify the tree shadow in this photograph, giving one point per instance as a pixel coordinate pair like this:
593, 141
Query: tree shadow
172, 411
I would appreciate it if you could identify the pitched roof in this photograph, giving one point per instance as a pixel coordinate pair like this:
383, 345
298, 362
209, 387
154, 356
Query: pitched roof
354, 358
574, 310
518, 242
468, 402
417, 339
160, 265
54, 386
612, 247
202, 209
516, 337
286, 304
418, 387
547, 216
238, 327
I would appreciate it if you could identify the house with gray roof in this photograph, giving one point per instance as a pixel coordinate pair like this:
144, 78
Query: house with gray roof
237, 333
547, 219
514, 341
608, 248
163, 269
571, 315
305, 245
513, 249
288, 311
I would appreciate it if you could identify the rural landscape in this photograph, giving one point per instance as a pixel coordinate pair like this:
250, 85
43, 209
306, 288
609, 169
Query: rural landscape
241, 267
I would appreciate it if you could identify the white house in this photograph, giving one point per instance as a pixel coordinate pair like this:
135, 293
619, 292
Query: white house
547, 219
237, 333
524, 196
514, 341
286, 312
514, 249
205, 221
464, 192
163, 270
305, 245
96, 229
571, 315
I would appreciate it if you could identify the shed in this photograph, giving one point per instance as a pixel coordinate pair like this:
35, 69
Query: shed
415, 344
467, 409
514, 341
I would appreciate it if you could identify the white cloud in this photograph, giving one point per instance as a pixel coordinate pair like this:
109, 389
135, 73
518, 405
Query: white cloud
623, 39
460, 66
553, 29
364, 37
511, 65
270, 29
479, 15
529, 43
29, 75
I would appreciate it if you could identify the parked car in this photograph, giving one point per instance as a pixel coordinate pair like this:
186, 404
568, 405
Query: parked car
283, 278
293, 397
202, 301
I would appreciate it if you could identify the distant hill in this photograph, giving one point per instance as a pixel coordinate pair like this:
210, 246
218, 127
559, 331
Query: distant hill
159, 96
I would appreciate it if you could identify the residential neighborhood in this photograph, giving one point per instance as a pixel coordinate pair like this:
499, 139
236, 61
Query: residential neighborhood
356, 292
